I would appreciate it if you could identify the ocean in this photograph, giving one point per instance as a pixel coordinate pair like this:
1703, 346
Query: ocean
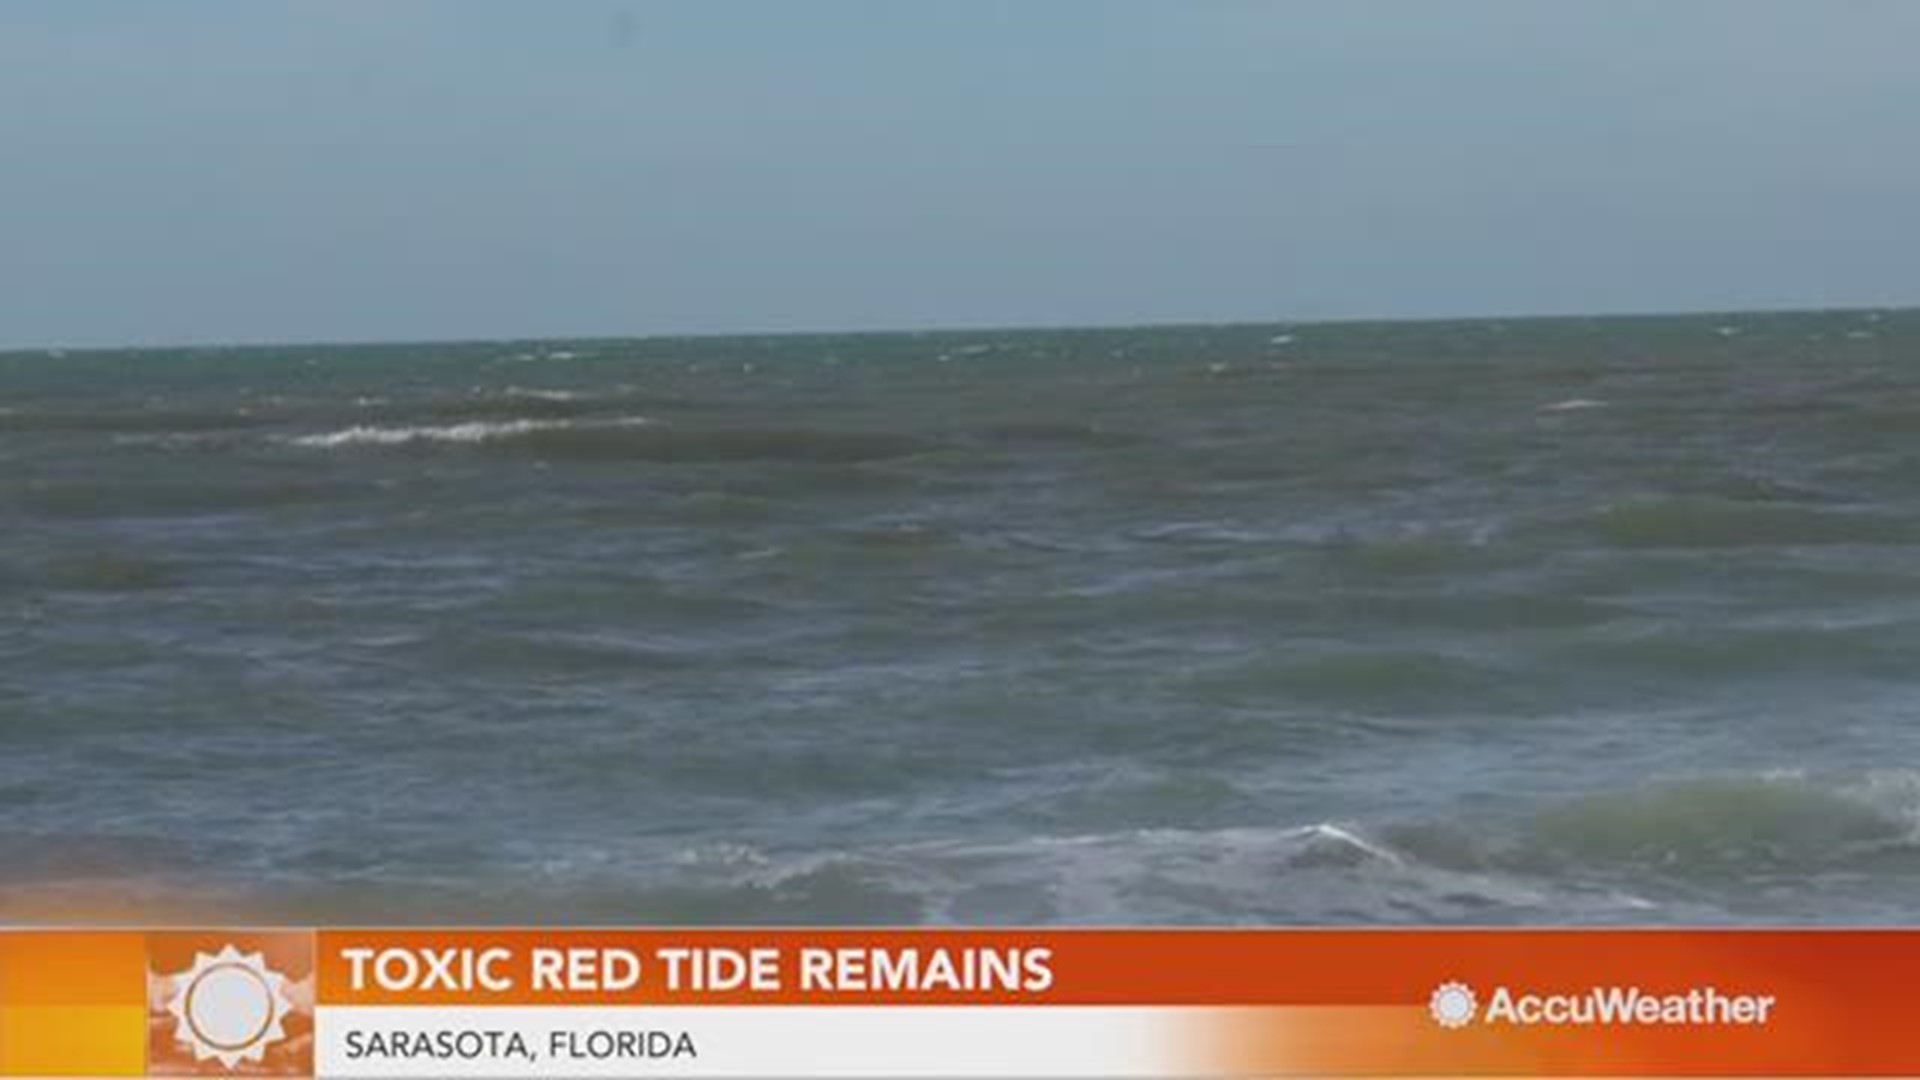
1570, 621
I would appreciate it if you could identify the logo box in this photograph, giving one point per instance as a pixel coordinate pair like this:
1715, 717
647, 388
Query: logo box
230, 1004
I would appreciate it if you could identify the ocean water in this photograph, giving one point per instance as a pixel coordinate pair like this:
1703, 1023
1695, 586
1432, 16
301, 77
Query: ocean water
1583, 621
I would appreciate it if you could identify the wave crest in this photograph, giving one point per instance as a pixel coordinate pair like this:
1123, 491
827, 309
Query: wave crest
1727, 825
472, 431
630, 438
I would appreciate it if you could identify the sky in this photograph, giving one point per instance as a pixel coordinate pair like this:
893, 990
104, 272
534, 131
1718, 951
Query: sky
272, 170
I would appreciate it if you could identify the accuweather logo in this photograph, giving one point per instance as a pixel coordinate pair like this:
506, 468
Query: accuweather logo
229, 1006
1454, 1005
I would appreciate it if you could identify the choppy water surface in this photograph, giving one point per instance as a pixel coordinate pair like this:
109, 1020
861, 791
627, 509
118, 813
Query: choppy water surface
1584, 621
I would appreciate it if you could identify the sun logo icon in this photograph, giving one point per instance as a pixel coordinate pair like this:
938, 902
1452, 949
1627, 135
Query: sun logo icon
229, 1005
1453, 1005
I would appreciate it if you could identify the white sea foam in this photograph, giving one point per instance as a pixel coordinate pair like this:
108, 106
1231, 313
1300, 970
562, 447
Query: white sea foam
537, 394
1574, 404
471, 432
1329, 833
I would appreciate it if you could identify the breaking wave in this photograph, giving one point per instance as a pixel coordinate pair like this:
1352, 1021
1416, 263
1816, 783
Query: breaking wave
631, 438
1732, 825
472, 431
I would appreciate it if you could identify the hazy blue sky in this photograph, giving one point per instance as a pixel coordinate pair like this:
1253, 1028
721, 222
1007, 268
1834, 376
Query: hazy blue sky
221, 170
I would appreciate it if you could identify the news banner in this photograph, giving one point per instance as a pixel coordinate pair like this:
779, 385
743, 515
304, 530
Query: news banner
959, 1003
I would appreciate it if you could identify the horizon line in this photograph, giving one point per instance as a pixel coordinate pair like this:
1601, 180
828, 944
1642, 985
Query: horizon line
957, 328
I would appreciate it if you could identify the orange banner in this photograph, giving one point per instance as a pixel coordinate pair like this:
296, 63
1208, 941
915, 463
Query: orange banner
1214, 1003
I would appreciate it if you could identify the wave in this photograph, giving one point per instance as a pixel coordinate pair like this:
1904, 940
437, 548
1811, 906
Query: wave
1611, 856
631, 438
534, 393
1691, 849
1317, 872
472, 431
1716, 849
521, 402
242, 412
1741, 825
